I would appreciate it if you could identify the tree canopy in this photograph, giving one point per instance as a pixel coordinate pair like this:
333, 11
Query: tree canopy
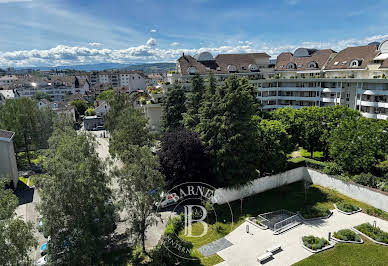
106, 95
193, 101
173, 108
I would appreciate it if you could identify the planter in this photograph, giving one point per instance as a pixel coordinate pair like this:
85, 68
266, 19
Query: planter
251, 221
350, 242
368, 237
317, 250
316, 218
348, 213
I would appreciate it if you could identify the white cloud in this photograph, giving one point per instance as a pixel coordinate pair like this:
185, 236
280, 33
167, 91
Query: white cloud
95, 44
175, 44
153, 31
151, 42
69, 55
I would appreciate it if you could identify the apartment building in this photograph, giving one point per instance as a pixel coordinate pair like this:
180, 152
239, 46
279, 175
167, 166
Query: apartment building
129, 80
8, 80
355, 77
56, 90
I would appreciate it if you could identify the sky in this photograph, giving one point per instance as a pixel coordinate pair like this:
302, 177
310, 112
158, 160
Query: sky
72, 32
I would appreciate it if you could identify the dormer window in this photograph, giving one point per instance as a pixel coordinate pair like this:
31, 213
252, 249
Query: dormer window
232, 68
291, 66
312, 65
344, 63
356, 63
218, 69
336, 63
281, 66
253, 67
192, 70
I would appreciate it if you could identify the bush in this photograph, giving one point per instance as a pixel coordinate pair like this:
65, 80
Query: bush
137, 255
315, 164
373, 232
366, 180
315, 212
347, 207
315, 243
347, 235
332, 168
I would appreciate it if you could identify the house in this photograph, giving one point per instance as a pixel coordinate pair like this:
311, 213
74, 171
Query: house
102, 107
8, 167
8, 94
61, 108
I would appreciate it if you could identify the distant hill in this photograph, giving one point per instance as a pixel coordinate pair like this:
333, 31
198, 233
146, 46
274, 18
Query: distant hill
146, 67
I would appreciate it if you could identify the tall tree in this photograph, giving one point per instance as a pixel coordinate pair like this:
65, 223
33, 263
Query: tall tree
80, 107
32, 126
289, 117
173, 107
357, 145
274, 146
140, 186
230, 135
107, 95
75, 200
183, 157
16, 237
130, 129
117, 105
193, 101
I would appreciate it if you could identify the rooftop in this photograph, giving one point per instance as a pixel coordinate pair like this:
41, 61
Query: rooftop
6, 134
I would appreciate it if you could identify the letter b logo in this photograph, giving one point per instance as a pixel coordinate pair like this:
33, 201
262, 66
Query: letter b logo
189, 220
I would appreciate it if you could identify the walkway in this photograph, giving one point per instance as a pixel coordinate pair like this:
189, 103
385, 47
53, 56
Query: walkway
247, 247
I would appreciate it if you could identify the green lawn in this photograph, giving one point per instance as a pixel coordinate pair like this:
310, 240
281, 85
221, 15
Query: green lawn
291, 197
316, 155
350, 254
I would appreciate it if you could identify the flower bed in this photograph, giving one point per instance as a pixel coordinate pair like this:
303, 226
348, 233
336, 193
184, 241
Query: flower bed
313, 213
347, 208
347, 236
373, 233
315, 244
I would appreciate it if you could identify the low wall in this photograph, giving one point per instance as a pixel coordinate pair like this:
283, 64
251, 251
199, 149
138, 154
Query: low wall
370, 196
223, 195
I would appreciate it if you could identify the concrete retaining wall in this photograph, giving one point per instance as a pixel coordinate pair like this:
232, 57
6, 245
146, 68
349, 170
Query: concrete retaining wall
223, 195
370, 196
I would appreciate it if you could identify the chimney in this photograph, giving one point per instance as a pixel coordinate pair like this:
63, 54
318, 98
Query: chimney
183, 54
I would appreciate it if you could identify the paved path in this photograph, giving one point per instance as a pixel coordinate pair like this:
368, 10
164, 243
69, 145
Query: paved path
248, 247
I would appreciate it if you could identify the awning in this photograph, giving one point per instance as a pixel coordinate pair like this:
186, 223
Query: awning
381, 56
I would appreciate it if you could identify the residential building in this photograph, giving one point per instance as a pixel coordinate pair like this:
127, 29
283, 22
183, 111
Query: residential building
8, 80
8, 94
60, 108
101, 108
93, 122
129, 80
8, 167
355, 76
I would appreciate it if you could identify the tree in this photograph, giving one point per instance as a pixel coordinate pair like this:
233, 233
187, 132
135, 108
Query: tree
311, 125
140, 186
107, 95
32, 126
80, 107
274, 146
130, 129
192, 104
41, 95
16, 237
76, 201
357, 145
90, 111
289, 117
117, 105
183, 157
230, 135
173, 108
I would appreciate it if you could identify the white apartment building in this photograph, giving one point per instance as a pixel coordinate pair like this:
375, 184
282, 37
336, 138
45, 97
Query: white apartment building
56, 90
355, 77
128, 80
8, 80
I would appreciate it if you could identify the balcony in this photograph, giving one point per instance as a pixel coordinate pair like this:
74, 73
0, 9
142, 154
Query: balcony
291, 89
369, 115
372, 104
330, 100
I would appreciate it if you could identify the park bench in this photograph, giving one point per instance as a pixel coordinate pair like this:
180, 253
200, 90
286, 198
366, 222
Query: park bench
264, 257
274, 249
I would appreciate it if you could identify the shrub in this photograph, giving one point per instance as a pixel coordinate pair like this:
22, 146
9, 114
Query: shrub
137, 255
315, 164
347, 235
347, 207
332, 168
314, 212
366, 180
373, 232
314, 242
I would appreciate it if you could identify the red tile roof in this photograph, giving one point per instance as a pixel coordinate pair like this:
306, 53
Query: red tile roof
384, 64
221, 62
364, 54
320, 57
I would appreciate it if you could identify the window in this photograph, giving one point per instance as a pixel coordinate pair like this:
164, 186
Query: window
312, 65
336, 63
281, 66
344, 63
291, 66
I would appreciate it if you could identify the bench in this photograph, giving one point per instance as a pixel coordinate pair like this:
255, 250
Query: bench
264, 257
274, 248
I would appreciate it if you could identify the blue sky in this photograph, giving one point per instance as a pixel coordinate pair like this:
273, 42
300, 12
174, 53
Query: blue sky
62, 32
